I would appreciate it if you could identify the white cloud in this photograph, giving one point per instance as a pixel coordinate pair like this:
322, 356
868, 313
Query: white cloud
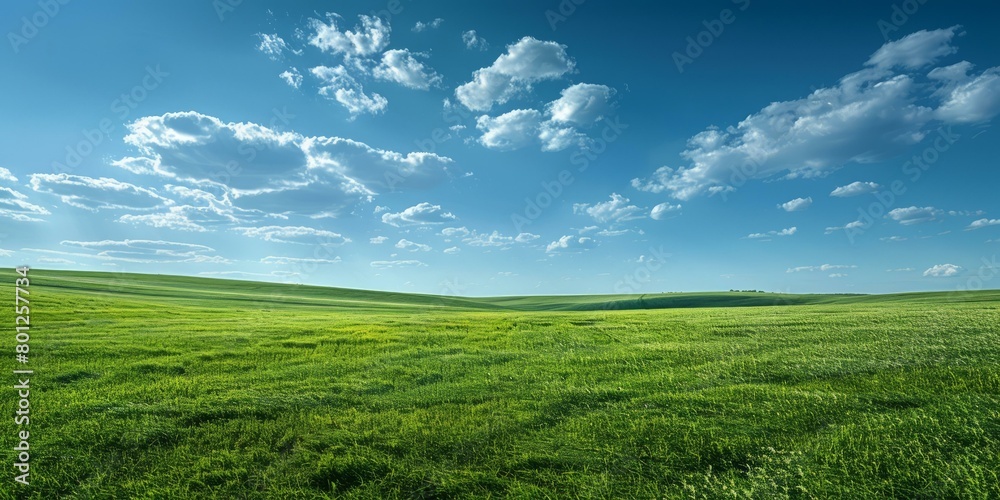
277, 172
981, 223
526, 62
292, 77
93, 194
294, 234
974, 100
526, 237
915, 50
450, 232
581, 104
401, 67
339, 85
271, 45
378, 240
422, 26
914, 215
388, 264
6, 176
784, 232
849, 226
452, 250
868, 116
169, 220
943, 271
823, 268
838, 275
282, 261
856, 188
522, 127
420, 214
617, 209
368, 38
511, 130
473, 41
570, 244
54, 260
796, 205
660, 211
141, 251
405, 244
15, 205
901, 270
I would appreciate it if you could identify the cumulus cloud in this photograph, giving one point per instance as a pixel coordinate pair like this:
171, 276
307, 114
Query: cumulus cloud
856, 188
796, 205
417, 215
405, 244
846, 227
401, 67
271, 45
972, 99
338, 84
526, 62
943, 271
915, 50
570, 244
432, 25
6, 175
659, 212
259, 168
292, 77
368, 38
581, 104
615, 210
378, 240
914, 215
511, 130
784, 232
981, 223
473, 41
868, 116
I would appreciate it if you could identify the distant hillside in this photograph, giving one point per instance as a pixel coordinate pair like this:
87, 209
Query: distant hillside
201, 290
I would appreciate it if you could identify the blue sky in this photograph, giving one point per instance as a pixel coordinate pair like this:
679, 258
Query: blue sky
486, 148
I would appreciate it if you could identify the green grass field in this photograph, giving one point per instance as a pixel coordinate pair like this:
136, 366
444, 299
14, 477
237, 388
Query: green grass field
171, 387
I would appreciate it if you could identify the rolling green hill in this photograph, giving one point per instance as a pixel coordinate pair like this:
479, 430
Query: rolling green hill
194, 289
150, 386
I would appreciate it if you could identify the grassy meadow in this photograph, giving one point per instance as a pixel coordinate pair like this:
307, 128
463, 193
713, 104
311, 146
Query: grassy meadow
171, 387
